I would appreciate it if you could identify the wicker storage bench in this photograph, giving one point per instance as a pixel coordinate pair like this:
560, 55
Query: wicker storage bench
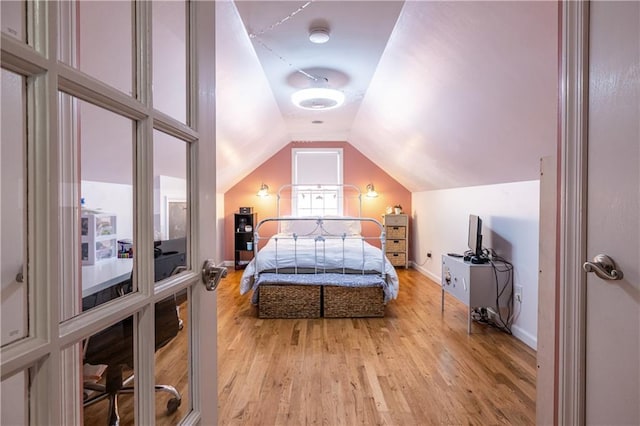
289, 301
352, 302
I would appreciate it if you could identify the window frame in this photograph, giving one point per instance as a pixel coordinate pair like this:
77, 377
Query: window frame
317, 190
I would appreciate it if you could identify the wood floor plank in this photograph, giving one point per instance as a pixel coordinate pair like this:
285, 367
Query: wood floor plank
417, 365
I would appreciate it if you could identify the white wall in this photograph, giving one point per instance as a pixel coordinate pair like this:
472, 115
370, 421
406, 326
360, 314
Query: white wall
165, 189
111, 198
510, 215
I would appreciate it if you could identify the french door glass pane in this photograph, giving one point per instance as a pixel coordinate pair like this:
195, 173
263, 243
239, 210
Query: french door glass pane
172, 359
14, 18
14, 290
96, 38
107, 363
103, 236
170, 205
14, 392
170, 58
107, 366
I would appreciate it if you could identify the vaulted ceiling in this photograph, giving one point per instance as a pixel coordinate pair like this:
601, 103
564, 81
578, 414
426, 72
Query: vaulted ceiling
438, 94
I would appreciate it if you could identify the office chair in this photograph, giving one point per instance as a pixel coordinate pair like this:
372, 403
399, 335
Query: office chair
114, 347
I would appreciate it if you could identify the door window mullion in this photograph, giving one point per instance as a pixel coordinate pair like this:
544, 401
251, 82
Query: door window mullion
79, 85
144, 342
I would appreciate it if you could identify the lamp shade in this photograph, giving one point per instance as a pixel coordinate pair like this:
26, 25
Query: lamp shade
371, 191
263, 191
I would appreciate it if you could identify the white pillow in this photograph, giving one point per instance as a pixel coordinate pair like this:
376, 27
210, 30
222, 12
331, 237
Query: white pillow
308, 225
300, 226
345, 225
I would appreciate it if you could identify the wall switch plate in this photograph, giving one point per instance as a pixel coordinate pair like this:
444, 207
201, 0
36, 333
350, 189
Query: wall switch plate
517, 295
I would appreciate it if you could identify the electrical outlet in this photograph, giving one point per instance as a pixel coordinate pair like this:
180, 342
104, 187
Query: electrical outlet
518, 294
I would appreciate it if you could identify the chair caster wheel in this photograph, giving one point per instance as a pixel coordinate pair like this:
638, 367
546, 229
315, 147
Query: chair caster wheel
172, 405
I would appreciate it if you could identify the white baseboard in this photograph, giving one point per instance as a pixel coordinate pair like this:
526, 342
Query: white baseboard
229, 263
426, 273
525, 337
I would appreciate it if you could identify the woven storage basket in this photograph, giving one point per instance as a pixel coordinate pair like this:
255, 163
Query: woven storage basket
351, 302
396, 245
289, 301
396, 232
397, 259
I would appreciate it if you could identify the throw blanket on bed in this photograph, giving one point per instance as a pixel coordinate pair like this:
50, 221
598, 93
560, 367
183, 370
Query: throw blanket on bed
283, 253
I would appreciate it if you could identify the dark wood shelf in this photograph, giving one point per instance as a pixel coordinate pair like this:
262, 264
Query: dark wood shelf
241, 237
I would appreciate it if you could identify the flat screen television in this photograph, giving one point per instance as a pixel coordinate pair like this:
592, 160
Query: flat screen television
475, 236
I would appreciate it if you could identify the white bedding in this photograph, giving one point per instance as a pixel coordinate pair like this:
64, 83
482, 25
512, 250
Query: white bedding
308, 252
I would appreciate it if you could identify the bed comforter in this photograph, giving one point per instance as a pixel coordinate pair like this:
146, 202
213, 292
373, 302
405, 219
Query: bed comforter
320, 255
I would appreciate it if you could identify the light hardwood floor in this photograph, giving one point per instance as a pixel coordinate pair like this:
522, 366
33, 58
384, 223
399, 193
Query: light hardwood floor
416, 366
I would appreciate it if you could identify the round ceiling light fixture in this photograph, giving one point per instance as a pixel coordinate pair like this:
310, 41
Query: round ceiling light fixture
319, 35
317, 98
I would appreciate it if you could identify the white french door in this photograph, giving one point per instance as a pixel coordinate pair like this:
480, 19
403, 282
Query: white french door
108, 207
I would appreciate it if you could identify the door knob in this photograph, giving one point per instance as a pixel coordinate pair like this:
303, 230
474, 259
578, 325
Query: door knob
604, 267
212, 274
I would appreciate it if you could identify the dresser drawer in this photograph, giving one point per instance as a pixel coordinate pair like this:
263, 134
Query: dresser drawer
396, 232
397, 259
396, 246
395, 220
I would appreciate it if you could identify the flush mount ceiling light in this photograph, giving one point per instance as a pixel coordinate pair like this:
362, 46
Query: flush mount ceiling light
319, 35
317, 98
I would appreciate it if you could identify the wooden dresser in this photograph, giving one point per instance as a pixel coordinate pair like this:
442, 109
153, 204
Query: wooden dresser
397, 241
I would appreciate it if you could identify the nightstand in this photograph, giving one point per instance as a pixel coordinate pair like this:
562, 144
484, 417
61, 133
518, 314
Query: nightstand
397, 238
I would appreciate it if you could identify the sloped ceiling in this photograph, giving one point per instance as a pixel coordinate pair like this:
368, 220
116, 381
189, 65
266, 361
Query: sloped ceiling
249, 126
461, 93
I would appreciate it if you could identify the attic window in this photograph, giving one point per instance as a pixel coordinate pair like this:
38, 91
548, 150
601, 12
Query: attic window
317, 179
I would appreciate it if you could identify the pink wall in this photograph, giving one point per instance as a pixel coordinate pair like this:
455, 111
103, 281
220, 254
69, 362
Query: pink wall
276, 171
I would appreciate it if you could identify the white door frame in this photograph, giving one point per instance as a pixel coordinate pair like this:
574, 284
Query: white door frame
571, 280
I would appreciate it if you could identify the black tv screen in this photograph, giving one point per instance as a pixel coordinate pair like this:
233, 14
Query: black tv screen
475, 235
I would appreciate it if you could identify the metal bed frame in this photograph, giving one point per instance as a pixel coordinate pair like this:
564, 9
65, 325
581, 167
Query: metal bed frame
320, 235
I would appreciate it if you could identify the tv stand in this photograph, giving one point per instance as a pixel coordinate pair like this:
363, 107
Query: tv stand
473, 284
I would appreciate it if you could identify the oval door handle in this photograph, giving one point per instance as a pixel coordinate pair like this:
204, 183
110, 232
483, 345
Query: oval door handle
604, 267
212, 274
